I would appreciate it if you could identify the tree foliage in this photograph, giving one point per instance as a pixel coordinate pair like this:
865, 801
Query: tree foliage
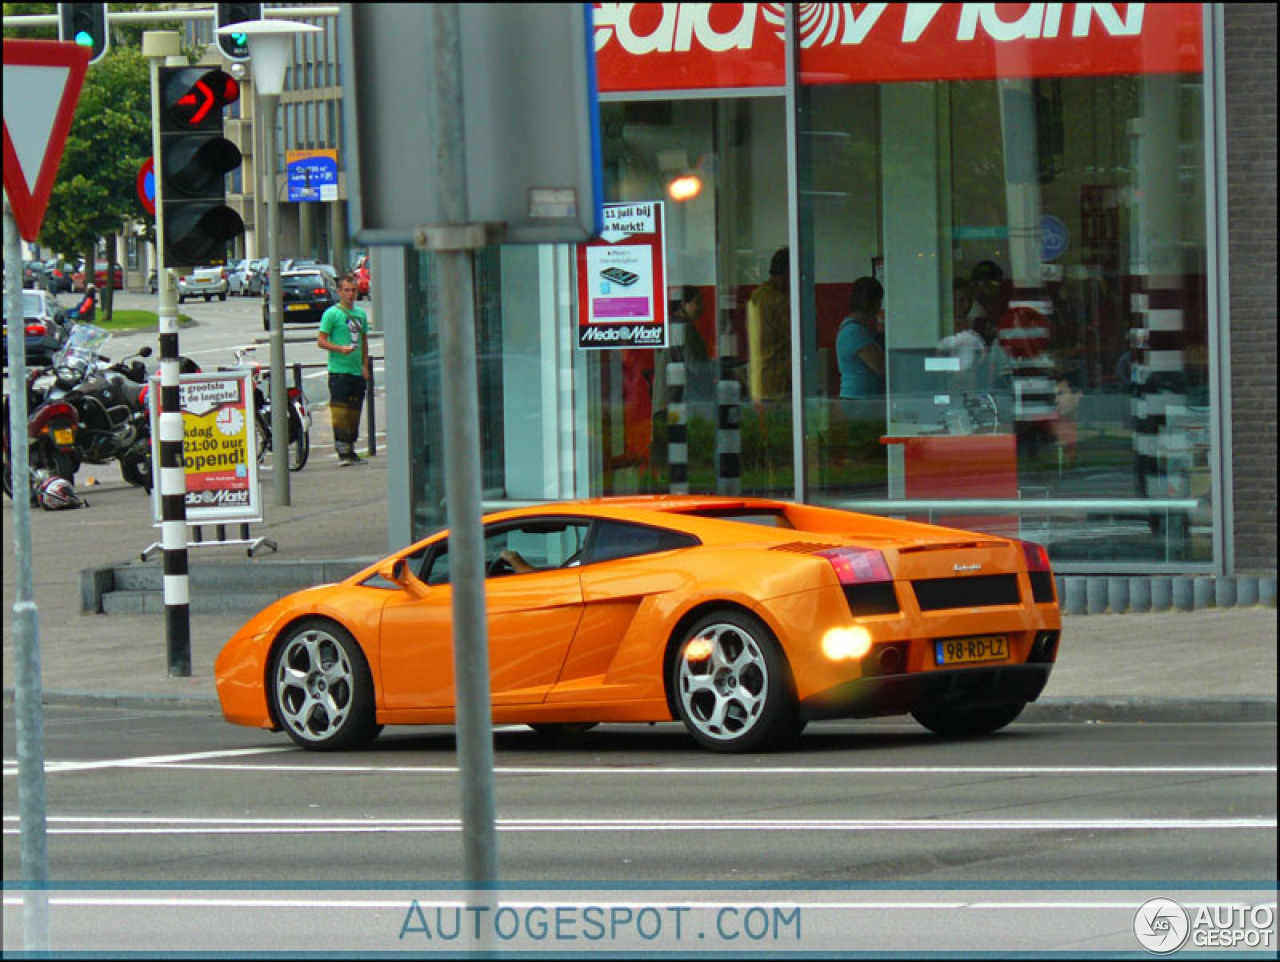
110, 139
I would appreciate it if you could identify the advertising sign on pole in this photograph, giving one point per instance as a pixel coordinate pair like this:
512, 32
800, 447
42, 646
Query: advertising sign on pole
622, 280
313, 175
219, 448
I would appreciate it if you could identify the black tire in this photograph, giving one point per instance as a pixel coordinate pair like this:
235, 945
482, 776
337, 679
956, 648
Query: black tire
561, 731
299, 440
182, 298
208, 298
320, 688
222, 296
740, 697
136, 469
955, 722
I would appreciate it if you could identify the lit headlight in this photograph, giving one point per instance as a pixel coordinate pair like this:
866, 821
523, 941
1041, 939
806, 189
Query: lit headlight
842, 644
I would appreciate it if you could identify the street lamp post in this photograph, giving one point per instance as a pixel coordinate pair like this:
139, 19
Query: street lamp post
270, 51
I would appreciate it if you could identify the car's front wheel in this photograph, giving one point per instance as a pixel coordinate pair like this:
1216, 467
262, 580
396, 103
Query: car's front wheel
321, 689
731, 685
971, 721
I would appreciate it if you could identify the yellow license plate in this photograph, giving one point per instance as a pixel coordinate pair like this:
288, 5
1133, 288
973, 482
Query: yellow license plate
64, 436
296, 307
958, 651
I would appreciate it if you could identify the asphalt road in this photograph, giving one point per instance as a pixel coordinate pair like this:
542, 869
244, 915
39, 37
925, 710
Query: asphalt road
173, 830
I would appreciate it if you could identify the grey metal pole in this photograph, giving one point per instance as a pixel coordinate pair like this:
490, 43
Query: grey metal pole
456, 313
26, 624
279, 387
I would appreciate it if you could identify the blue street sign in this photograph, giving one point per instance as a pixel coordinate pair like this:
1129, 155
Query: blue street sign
313, 175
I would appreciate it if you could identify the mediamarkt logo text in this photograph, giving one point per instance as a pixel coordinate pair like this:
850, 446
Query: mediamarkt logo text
678, 26
634, 335
205, 498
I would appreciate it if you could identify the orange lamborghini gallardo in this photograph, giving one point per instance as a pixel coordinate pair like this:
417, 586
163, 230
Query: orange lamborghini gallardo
743, 618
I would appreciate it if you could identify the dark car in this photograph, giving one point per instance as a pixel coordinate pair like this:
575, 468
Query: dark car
305, 296
43, 320
32, 274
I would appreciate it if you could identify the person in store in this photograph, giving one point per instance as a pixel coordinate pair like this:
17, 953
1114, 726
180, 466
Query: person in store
859, 343
769, 333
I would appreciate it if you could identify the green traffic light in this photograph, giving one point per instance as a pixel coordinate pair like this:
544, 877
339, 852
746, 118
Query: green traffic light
240, 39
84, 38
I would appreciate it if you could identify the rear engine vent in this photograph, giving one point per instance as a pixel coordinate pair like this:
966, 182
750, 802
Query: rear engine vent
802, 547
1042, 586
872, 598
984, 591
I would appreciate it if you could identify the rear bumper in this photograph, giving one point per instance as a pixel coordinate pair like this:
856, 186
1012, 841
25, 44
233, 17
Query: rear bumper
958, 687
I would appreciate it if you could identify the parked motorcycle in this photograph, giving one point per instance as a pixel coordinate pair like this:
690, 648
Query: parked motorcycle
299, 447
48, 429
95, 410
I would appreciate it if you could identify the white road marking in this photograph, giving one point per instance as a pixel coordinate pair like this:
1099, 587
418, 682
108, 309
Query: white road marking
191, 762
144, 761
159, 825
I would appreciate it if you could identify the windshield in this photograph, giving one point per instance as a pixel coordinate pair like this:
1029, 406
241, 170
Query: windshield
84, 342
32, 304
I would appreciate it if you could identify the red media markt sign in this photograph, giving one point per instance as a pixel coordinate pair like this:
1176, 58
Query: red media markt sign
48, 76
147, 185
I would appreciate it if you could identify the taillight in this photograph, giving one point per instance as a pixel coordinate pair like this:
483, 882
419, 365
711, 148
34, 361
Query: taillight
38, 329
320, 292
866, 579
857, 565
1039, 572
1036, 555
56, 411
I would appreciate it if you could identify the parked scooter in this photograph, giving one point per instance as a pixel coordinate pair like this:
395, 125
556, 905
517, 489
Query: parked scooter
299, 446
95, 411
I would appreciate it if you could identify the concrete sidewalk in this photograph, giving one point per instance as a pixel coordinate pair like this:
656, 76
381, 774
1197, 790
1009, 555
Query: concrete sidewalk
1210, 665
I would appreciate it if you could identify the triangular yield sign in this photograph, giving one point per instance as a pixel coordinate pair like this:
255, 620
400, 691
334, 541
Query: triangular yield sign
42, 81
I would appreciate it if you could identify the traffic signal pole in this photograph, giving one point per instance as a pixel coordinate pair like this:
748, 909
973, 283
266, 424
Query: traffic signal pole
157, 45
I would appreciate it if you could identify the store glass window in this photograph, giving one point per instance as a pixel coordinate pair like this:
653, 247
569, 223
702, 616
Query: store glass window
1004, 306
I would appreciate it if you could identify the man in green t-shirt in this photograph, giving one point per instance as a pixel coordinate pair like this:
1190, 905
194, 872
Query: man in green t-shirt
344, 333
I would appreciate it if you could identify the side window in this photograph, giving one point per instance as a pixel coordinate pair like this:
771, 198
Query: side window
613, 540
437, 568
535, 545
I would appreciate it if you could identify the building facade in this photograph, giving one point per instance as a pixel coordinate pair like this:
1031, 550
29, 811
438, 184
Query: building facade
1013, 272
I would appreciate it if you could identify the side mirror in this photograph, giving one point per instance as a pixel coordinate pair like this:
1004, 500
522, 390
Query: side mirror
146, 351
400, 574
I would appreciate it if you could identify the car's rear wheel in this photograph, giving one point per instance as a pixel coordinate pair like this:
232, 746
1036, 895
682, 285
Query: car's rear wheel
731, 685
971, 721
320, 688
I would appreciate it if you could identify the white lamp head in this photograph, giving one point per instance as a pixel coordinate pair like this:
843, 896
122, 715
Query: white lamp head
270, 49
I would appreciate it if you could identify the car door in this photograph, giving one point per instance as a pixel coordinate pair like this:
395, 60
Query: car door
532, 618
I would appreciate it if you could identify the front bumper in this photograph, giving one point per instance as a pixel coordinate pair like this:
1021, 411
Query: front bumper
957, 687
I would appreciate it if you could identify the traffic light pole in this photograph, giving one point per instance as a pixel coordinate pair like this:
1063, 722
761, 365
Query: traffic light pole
156, 45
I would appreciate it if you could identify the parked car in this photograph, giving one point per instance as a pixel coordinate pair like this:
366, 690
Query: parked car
44, 324
305, 296
249, 277
206, 282
742, 618
99, 277
32, 274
